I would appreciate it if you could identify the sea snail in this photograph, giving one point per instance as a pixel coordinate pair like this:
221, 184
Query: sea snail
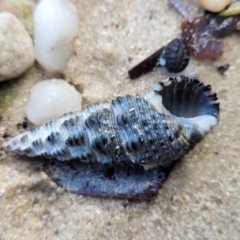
155, 129
124, 148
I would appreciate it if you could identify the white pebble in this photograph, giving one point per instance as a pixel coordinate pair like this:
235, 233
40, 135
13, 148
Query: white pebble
55, 29
215, 5
50, 99
17, 52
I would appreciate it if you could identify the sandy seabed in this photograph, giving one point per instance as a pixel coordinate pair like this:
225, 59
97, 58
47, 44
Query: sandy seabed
199, 200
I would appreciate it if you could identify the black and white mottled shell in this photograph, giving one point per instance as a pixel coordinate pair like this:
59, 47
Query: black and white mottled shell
156, 129
125, 148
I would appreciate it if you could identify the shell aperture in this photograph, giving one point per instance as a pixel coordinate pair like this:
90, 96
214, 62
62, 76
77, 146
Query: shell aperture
155, 130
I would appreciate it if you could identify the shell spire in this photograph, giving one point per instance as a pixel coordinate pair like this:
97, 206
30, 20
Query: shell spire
156, 129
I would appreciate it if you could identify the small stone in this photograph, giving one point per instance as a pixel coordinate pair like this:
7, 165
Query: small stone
17, 52
55, 30
50, 99
215, 5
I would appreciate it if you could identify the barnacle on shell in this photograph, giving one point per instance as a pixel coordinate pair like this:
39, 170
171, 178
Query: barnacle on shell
153, 130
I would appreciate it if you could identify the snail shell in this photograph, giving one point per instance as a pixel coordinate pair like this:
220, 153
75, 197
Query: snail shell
155, 129
175, 56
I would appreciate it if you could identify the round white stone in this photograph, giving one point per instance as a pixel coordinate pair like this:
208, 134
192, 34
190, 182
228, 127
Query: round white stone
215, 5
50, 99
17, 52
55, 29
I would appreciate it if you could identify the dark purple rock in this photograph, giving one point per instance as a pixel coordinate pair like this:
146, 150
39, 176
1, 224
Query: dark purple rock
118, 181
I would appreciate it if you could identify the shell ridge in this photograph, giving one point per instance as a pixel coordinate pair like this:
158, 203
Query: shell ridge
150, 137
101, 134
70, 135
169, 129
68, 128
157, 134
136, 127
127, 108
173, 132
119, 109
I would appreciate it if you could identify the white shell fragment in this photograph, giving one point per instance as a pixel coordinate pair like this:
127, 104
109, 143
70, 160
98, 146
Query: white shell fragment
215, 5
50, 99
17, 52
153, 130
55, 28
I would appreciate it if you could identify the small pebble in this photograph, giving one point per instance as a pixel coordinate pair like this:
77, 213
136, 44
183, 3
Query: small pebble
215, 5
50, 99
17, 52
222, 69
55, 29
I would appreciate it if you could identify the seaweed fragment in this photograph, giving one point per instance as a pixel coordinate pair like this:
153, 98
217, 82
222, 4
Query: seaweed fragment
146, 66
